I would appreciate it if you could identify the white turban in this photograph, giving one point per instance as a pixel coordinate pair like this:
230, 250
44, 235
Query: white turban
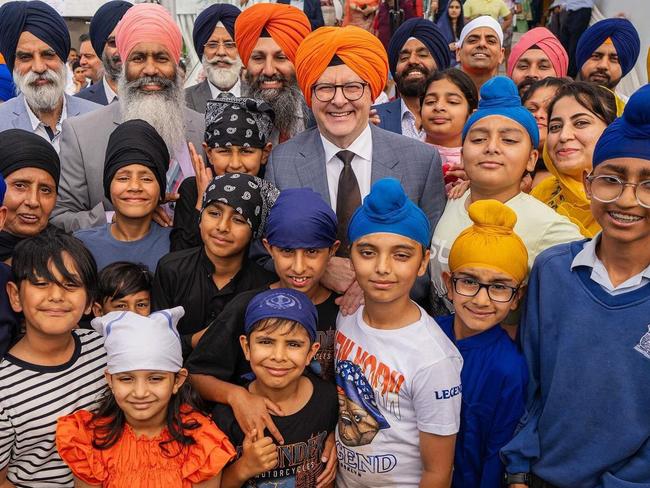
482, 21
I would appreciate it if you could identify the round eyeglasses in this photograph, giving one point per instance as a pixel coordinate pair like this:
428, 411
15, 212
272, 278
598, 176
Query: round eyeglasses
353, 91
609, 188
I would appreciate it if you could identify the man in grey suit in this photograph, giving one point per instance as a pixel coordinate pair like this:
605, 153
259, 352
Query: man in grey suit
149, 89
345, 154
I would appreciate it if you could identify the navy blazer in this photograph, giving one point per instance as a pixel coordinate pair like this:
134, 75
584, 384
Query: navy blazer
313, 12
94, 93
390, 114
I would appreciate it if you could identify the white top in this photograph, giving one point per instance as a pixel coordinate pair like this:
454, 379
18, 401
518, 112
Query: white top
110, 94
588, 257
361, 164
39, 128
538, 225
408, 124
234, 91
414, 373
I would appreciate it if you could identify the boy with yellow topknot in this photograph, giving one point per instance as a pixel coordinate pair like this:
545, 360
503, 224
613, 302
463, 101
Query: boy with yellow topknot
488, 266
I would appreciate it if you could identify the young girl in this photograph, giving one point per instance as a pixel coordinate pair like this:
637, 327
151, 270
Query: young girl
451, 23
147, 431
124, 286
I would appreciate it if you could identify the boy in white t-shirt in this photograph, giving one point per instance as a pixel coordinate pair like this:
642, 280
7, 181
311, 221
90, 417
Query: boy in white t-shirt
499, 145
398, 375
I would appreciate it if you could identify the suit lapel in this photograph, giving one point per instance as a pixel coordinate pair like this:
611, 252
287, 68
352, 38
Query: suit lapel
385, 161
202, 95
312, 170
21, 117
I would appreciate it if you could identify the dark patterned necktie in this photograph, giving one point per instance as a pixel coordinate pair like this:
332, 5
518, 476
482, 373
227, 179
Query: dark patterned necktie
348, 199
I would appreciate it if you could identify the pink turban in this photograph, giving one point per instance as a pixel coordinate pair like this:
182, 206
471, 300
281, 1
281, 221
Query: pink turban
547, 42
148, 22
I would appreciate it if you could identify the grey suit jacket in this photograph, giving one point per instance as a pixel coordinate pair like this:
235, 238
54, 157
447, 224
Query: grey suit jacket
197, 96
81, 202
13, 113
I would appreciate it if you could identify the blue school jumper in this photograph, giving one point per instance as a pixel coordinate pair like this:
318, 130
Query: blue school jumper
588, 402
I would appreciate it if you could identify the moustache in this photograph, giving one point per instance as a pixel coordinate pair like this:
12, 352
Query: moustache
164, 83
50, 76
220, 59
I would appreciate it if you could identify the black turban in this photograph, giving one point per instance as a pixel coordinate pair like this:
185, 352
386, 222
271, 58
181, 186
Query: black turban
23, 149
208, 20
38, 18
428, 34
136, 142
231, 121
104, 21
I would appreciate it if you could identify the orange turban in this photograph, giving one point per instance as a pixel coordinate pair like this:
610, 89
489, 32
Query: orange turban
362, 52
148, 22
286, 25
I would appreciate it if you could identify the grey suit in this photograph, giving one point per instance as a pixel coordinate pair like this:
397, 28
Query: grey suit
13, 113
81, 202
197, 96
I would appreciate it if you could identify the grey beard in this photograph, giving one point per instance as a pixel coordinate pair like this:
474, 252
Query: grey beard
222, 78
162, 109
42, 98
112, 69
287, 103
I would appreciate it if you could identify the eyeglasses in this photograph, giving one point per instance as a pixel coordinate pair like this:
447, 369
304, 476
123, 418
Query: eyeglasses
497, 292
609, 188
325, 92
214, 45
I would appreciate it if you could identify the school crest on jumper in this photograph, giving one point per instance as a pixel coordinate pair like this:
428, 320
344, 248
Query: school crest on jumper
644, 344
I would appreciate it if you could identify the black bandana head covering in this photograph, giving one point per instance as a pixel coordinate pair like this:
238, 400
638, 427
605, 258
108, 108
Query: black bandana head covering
38, 18
104, 21
23, 149
250, 196
207, 20
244, 122
136, 142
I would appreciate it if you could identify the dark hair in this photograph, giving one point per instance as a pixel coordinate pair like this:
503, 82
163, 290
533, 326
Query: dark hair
122, 278
108, 421
272, 324
458, 78
460, 21
33, 258
550, 82
84, 38
598, 100
76, 65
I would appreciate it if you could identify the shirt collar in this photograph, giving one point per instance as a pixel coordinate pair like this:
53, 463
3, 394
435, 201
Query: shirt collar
361, 146
36, 122
235, 90
110, 94
404, 110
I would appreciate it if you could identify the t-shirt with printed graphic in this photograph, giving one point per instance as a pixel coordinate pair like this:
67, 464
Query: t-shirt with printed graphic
392, 384
304, 433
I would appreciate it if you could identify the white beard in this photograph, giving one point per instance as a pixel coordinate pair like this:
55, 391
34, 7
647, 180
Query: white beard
222, 78
43, 98
162, 109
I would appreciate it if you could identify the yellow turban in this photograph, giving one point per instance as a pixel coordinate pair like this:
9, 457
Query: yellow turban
362, 52
491, 241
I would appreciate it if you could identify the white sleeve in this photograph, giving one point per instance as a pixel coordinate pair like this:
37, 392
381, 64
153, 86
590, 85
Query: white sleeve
7, 438
437, 397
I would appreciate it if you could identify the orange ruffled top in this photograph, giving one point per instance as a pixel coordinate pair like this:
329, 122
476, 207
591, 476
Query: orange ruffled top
139, 462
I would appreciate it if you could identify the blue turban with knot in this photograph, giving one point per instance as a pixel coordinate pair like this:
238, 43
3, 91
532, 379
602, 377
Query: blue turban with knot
104, 22
208, 20
350, 379
629, 135
499, 96
428, 34
623, 35
37, 18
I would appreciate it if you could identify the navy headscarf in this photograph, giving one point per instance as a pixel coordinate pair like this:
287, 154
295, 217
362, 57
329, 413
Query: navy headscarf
104, 21
37, 18
208, 20
428, 34
624, 37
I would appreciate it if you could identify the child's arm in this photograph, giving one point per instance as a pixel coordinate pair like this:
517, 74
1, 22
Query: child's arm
437, 453
259, 455
211, 483
4, 482
82, 484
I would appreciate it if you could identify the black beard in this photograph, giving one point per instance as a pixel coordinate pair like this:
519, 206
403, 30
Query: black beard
411, 88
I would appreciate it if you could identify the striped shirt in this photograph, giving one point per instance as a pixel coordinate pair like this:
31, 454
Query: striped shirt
32, 397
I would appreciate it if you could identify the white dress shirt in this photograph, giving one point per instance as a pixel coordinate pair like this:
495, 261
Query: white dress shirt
110, 94
235, 90
39, 128
408, 124
361, 164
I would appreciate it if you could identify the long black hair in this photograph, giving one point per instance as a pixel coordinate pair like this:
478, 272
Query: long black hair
458, 78
460, 21
108, 421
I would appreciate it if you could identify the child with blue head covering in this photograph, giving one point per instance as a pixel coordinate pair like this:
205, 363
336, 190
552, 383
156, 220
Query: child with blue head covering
500, 142
398, 375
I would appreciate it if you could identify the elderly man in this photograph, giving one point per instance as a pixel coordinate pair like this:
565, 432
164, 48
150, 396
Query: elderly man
537, 55
35, 42
341, 71
480, 49
213, 36
416, 50
89, 60
607, 51
267, 37
102, 37
149, 88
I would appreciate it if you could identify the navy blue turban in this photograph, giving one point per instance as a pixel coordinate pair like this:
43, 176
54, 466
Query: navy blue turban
629, 135
104, 21
428, 34
38, 18
208, 20
282, 303
624, 37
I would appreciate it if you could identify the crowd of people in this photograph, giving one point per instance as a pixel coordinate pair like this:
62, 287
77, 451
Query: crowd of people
281, 277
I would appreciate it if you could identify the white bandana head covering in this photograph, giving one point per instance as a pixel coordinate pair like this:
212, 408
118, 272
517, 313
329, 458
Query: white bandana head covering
482, 21
134, 342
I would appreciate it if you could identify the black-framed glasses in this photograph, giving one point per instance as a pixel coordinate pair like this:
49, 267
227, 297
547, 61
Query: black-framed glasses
497, 292
325, 92
227, 45
609, 188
